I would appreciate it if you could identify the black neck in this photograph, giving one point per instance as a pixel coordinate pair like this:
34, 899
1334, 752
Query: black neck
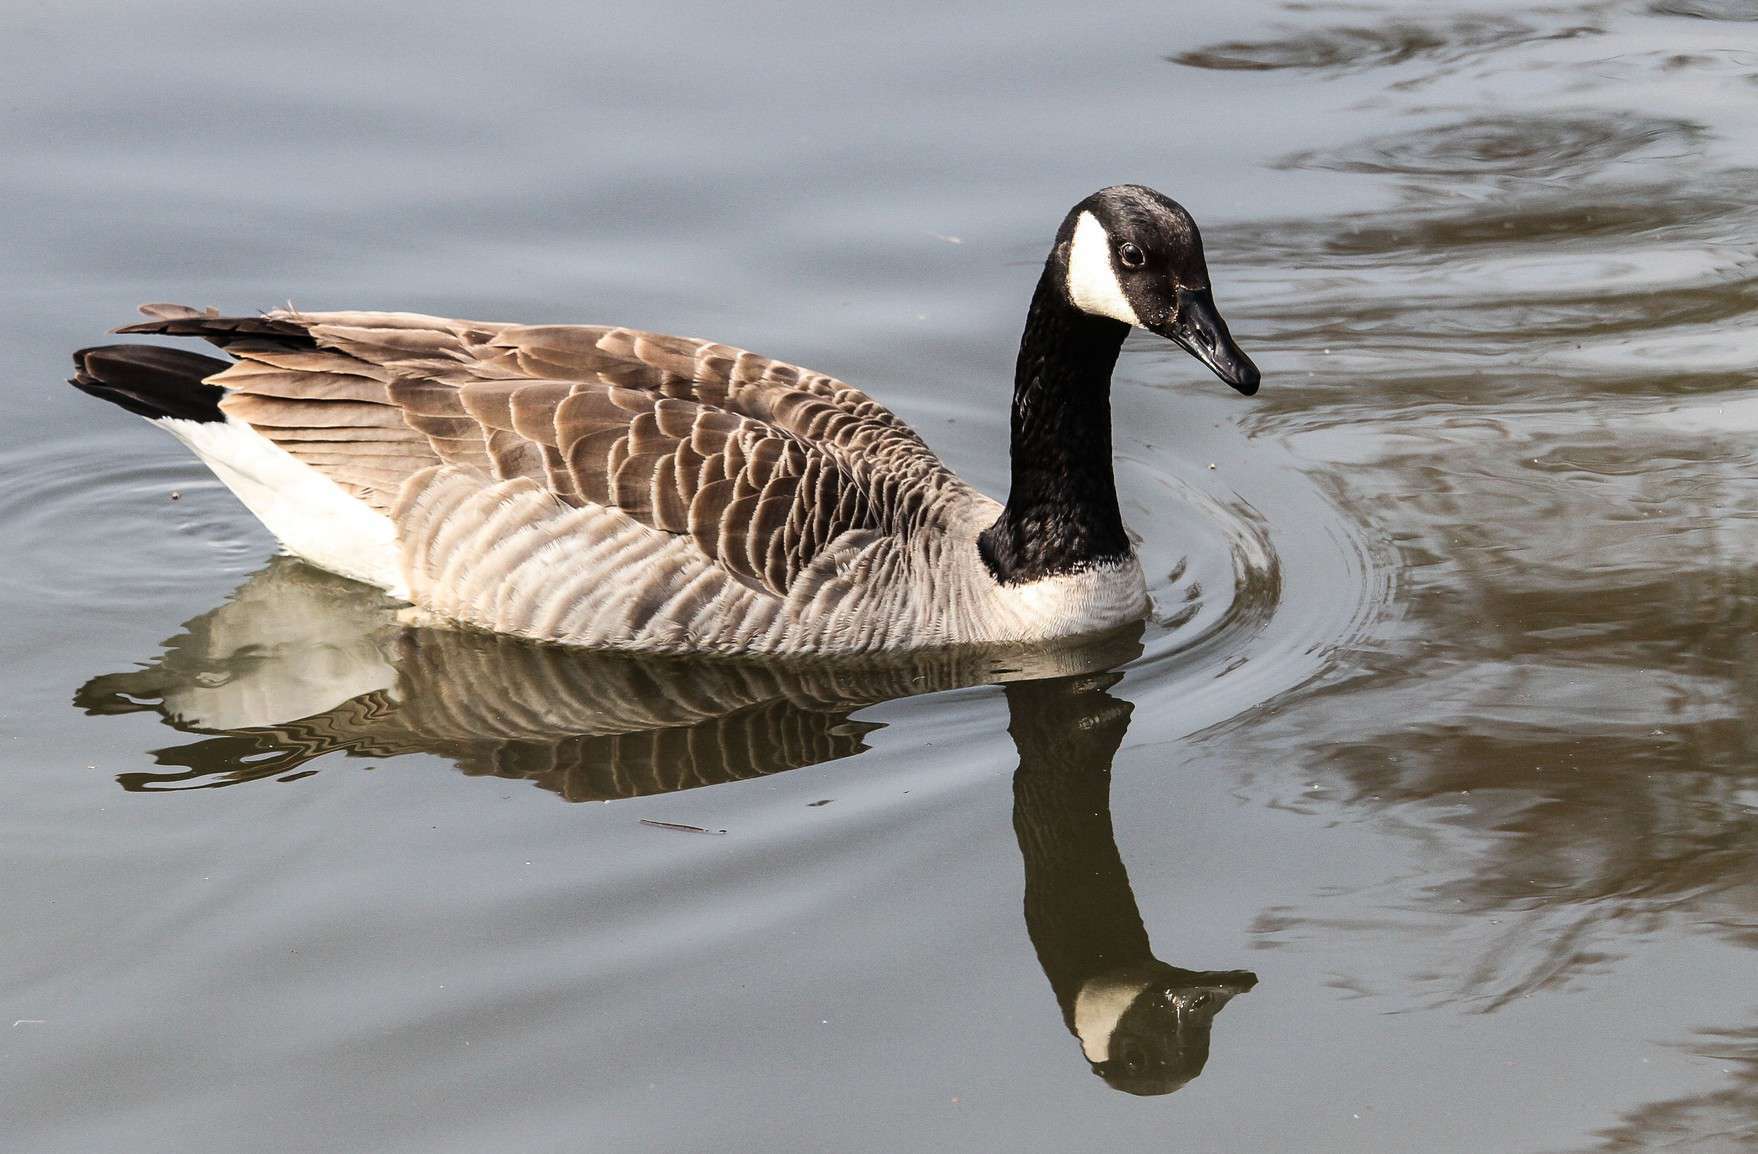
1061, 514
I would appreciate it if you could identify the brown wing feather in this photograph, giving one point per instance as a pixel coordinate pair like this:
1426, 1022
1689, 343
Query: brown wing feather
765, 465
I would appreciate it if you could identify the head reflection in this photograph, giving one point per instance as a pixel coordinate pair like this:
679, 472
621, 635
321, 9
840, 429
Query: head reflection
298, 665
1142, 1024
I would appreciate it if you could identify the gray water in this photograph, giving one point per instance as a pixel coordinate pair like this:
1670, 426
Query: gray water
1422, 816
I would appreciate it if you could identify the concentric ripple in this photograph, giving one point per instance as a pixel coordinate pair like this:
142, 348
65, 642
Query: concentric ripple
1543, 147
1353, 48
1266, 581
102, 520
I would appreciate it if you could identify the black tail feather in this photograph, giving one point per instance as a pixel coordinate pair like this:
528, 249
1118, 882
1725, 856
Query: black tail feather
151, 381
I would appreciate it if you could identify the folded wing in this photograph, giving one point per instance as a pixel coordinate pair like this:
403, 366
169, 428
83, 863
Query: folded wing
768, 468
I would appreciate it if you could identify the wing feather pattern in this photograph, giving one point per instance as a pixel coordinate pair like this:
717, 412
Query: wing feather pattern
780, 477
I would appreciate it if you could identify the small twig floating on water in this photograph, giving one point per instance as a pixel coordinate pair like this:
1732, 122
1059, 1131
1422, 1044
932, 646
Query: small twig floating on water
679, 826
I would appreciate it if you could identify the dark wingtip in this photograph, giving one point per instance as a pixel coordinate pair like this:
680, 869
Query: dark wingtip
150, 380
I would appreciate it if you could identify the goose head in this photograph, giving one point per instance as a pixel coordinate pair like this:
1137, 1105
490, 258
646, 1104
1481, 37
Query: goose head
1133, 255
1147, 1032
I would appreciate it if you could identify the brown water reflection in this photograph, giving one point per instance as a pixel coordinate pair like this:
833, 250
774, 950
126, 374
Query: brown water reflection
1534, 371
1725, 1119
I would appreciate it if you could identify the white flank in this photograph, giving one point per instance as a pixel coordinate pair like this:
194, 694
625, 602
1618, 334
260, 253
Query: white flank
1071, 604
1092, 279
313, 517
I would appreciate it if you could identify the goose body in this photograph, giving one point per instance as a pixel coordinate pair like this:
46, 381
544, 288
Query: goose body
619, 489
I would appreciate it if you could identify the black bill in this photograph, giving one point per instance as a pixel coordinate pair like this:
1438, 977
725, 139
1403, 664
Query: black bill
1196, 325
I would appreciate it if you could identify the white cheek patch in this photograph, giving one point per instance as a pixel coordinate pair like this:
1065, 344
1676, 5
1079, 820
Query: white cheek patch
1098, 1007
1092, 281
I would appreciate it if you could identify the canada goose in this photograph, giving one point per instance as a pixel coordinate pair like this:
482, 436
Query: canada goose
620, 489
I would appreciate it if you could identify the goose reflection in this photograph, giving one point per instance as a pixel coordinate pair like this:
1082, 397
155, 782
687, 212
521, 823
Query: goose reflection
1142, 1024
299, 664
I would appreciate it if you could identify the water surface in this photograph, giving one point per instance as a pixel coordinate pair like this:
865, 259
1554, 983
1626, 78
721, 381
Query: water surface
1422, 814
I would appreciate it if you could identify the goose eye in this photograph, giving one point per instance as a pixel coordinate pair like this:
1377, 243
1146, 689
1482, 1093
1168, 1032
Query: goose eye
1131, 255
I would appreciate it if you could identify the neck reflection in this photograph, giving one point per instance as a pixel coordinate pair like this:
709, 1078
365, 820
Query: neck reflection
1143, 1025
